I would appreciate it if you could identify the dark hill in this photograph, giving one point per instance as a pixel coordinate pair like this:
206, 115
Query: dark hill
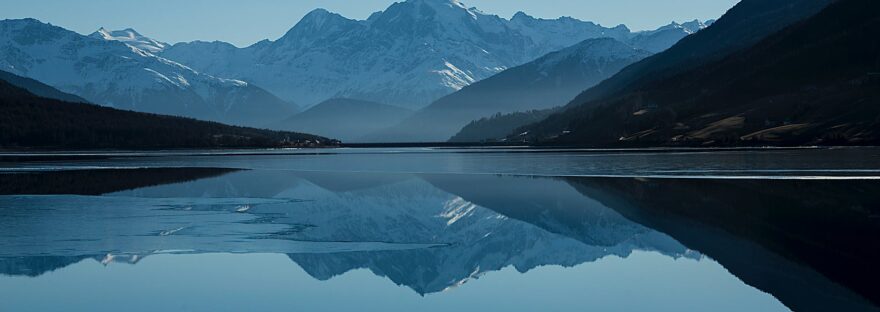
30, 121
747, 23
815, 82
39, 88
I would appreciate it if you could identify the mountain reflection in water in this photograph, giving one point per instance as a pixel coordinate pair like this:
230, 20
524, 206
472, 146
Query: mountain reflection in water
810, 244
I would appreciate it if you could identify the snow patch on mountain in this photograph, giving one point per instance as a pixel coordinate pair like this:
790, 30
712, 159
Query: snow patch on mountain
132, 38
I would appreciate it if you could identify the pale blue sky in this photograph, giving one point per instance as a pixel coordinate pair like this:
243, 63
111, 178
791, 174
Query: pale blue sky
245, 22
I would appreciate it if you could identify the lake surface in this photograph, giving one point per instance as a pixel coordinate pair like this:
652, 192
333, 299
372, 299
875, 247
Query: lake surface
441, 230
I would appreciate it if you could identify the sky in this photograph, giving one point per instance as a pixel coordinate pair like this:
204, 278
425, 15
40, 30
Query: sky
243, 22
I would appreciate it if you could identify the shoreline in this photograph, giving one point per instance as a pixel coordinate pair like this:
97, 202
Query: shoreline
39, 155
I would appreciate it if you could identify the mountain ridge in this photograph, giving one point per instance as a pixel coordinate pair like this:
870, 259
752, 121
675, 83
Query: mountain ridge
407, 55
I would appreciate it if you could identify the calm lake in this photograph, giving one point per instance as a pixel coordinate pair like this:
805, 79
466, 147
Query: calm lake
441, 230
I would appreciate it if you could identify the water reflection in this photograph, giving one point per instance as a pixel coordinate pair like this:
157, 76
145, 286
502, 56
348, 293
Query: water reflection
434, 232
809, 243
97, 182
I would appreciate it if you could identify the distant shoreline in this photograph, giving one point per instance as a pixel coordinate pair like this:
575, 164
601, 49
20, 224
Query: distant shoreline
35, 155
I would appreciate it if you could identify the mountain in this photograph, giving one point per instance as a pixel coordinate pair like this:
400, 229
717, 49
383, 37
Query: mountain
38, 88
345, 119
132, 38
741, 27
816, 82
547, 82
408, 55
30, 121
112, 73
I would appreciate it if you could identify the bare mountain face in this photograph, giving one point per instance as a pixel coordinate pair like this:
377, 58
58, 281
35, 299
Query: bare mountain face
114, 72
409, 55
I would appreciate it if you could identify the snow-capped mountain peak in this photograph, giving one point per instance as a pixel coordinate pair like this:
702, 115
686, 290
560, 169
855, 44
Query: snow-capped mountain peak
688, 27
107, 68
132, 38
454, 4
408, 55
422, 14
664, 37
696, 25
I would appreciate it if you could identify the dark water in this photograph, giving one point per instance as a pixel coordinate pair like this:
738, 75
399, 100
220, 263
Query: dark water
441, 230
